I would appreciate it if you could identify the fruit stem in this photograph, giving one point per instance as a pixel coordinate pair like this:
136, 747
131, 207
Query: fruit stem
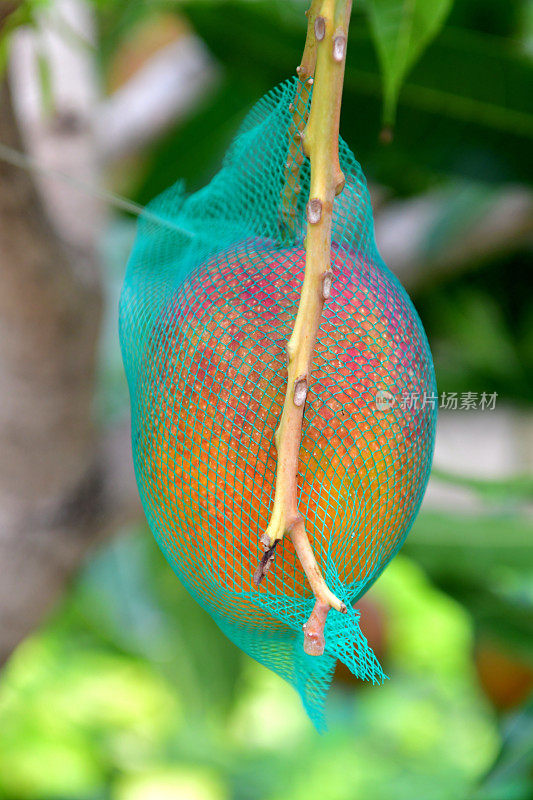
325, 49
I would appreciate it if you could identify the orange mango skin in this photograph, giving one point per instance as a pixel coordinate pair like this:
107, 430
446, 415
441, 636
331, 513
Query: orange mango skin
215, 379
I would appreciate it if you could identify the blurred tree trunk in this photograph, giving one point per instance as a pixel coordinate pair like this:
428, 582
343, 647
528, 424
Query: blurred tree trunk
63, 483
59, 486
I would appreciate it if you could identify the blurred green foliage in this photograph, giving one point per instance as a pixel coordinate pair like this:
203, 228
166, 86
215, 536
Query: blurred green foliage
131, 685
130, 692
465, 109
480, 323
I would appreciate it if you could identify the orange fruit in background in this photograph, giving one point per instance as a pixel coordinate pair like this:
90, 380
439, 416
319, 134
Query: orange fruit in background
505, 676
214, 386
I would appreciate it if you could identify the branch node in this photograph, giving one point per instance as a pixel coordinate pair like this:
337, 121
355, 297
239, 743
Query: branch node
339, 187
339, 45
314, 211
265, 541
290, 352
320, 28
300, 392
266, 562
327, 282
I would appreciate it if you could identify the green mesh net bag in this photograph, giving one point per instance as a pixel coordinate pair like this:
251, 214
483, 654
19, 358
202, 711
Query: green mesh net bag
208, 304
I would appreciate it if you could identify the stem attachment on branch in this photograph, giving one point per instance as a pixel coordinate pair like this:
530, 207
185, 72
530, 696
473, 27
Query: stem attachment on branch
326, 47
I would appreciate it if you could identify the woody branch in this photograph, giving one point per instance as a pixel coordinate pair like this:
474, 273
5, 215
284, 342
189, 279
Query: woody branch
325, 46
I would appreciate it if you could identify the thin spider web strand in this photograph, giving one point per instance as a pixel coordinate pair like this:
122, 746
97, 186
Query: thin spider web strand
18, 159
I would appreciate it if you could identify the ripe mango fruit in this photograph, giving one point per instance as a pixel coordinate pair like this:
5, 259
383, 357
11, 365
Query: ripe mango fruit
214, 383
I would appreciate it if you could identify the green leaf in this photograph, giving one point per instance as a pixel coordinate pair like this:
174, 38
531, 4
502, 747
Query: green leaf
402, 29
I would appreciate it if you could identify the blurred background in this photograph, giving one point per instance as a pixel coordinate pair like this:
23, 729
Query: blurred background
115, 684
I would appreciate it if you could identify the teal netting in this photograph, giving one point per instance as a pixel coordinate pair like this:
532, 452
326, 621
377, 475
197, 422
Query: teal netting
209, 301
